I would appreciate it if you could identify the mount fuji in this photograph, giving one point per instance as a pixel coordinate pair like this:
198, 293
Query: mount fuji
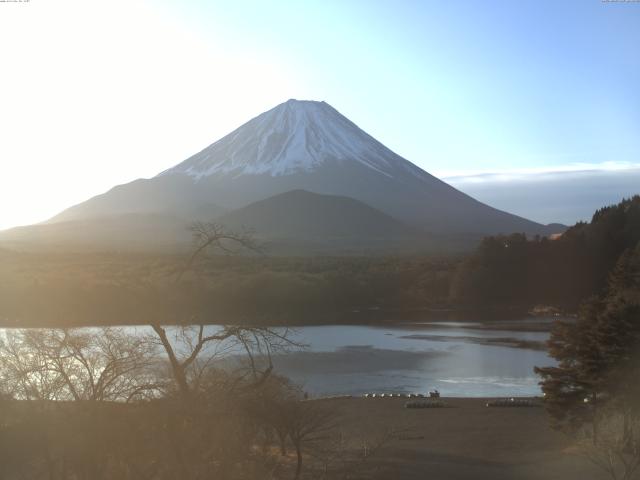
296, 146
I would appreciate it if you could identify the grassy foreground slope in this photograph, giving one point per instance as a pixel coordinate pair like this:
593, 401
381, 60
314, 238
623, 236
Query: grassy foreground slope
466, 441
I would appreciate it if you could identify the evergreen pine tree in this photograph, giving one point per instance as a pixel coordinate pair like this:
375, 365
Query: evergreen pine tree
599, 354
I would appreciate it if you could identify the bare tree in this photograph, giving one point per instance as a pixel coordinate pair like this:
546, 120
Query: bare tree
185, 350
191, 351
307, 423
616, 448
73, 364
311, 427
269, 408
202, 414
69, 388
24, 372
211, 236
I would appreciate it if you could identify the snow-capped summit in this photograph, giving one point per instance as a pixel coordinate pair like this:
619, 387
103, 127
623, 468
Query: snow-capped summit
296, 136
302, 145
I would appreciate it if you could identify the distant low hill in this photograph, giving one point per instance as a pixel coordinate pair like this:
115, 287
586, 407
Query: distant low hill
303, 214
306, 221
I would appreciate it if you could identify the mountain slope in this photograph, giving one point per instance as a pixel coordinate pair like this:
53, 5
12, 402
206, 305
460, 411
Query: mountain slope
310, 146
133, 231
295, 222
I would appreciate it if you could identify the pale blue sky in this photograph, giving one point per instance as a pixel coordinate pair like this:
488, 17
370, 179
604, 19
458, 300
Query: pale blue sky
97, 93
458, 84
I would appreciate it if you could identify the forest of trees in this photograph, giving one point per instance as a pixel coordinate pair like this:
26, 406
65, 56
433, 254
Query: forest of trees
514, 270
593, 392
41, 289
512, 273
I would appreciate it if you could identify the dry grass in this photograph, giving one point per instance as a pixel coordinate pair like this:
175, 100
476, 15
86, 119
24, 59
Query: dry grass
466, 441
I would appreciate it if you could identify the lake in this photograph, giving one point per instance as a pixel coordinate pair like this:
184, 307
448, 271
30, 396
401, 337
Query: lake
457, 358
453, 357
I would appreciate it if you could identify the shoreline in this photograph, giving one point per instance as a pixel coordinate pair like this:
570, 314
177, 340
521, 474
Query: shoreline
429, 319
537, 399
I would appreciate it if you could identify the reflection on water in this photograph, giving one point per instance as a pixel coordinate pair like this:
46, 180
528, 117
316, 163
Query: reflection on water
453, 357
360, 359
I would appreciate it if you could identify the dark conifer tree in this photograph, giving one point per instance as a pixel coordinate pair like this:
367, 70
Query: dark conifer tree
514, 271
599, 354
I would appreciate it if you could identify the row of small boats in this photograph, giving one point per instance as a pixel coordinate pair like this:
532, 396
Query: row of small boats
425, 404
512, 402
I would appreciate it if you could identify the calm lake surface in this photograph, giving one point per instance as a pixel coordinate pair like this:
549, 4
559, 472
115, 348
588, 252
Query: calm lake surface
453, 357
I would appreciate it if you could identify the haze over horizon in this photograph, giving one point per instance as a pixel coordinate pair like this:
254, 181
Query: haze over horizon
530, 108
